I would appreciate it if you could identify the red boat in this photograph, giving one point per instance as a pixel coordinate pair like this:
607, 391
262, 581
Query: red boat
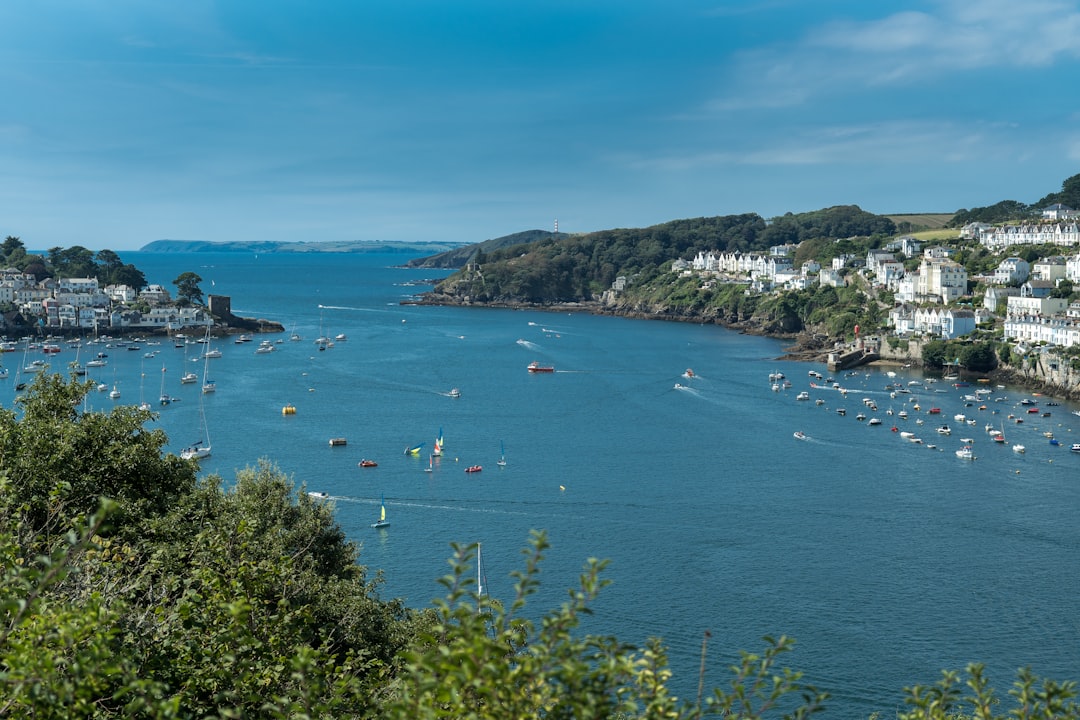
535, 367
368, 463
473, 468
934, 411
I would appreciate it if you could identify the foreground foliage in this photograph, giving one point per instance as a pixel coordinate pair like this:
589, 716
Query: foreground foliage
248, 602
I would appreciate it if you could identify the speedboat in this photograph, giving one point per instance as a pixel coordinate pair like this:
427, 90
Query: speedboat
454, 393
1075, 448
965, 453
803, 396
473, 469
368, 463
318, 495
800, 435
944, 430
1019, 449
535, 367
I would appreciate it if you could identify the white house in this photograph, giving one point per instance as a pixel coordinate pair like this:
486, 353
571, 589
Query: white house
842, 261
1065, 234
938, 253
1012, 270
889, 273
942, 278
1032, 329
830, 277
875, 257
1057, 211
907, 245
907, 287
1049, 269
994, 295
1072, 268
1032, 302
974, 230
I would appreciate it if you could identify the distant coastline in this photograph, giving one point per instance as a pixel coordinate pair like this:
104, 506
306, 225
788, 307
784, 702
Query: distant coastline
257, 246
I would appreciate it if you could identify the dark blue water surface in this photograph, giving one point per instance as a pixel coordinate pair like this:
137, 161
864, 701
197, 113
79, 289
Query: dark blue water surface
887, 560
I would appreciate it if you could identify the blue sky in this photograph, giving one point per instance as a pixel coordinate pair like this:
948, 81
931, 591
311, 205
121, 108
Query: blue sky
127, 121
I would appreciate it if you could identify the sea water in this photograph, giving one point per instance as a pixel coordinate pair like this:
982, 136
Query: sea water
886, 560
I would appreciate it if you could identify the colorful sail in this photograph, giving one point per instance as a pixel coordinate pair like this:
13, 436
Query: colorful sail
414, 450
382, 509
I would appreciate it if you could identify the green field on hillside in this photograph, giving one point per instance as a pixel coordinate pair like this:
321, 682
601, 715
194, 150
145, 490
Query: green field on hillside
928, 220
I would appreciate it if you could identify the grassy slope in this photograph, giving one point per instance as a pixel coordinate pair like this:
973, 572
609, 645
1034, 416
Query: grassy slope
931, 221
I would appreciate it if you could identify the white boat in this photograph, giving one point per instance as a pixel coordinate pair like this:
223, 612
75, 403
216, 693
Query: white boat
874, 421
318, 495
907, 435
209, 385
98, 362
1075, 448
803, 396
200, 448
800, 435
454, 393
189, 377
114, 393
382, 521
1019, 449
502, 455
163, 397
965, 453
944, 430
36, 366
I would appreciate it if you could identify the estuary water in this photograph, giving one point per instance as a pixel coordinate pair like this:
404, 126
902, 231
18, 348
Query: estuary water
886, 559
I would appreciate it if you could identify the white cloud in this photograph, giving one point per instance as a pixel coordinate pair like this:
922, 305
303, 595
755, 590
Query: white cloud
907, 47
885, 144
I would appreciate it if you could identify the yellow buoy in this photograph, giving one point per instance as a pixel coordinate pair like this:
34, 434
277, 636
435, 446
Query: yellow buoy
288, 410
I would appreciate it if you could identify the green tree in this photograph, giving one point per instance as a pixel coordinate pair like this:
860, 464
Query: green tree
129, 275
934, 354
978, 356
187, 289
60, 461
12, 249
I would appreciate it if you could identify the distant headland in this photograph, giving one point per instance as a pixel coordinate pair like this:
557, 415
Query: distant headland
268, 246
